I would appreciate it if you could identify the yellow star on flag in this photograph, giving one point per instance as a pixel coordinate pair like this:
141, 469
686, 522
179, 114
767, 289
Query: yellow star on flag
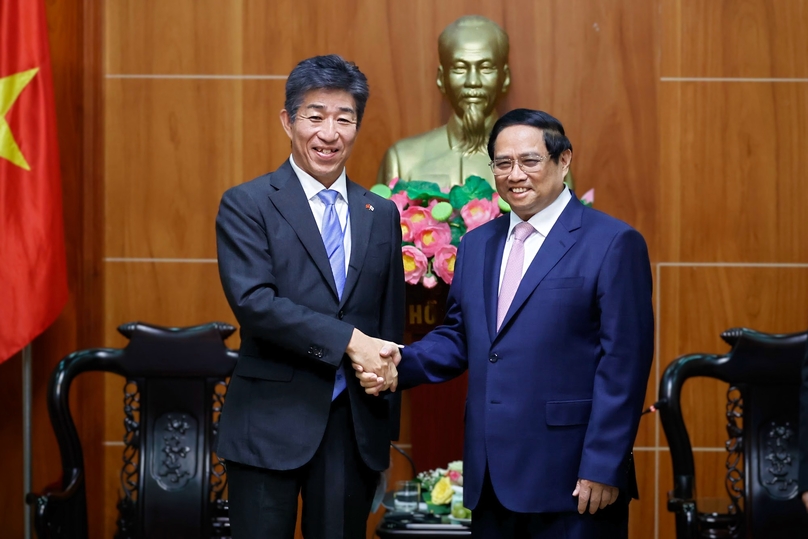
10, 89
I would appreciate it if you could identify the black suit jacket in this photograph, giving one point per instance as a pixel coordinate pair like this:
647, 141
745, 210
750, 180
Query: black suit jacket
294, 329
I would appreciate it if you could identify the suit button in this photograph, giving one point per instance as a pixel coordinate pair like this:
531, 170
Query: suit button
494, 358
341, 315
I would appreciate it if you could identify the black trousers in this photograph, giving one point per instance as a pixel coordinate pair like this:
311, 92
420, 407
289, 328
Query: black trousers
490, 520
336, 487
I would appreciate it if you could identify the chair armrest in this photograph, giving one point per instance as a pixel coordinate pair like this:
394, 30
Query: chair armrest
687, 517
60, 513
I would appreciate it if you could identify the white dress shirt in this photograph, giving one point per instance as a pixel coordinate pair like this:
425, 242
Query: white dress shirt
542, 222
311, 187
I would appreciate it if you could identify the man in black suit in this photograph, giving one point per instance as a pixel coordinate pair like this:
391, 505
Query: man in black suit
311, 265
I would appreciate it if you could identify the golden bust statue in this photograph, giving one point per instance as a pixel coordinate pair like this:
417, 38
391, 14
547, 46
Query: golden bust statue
474, 75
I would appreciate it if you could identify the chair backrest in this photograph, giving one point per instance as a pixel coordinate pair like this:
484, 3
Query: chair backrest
763, 373
172, 482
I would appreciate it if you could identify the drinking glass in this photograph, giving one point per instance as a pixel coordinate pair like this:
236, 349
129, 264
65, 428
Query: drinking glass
407, 495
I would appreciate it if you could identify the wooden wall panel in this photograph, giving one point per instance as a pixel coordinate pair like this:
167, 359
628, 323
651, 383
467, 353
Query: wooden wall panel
734, 38
698, 303
641, 512
173, 147
168, 294
264, 144
593, 65
708, 172
181, 36
732, 174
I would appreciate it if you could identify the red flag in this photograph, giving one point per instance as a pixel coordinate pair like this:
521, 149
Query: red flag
33, 275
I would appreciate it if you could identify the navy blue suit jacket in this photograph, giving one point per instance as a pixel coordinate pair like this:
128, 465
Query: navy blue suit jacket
294, 328
556, 393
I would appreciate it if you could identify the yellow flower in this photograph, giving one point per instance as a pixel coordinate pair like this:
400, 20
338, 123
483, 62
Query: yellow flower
442, 491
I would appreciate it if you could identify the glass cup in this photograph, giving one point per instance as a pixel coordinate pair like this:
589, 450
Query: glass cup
406, 496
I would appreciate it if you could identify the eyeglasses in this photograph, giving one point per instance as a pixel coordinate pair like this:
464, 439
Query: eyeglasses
528, 164
318, 120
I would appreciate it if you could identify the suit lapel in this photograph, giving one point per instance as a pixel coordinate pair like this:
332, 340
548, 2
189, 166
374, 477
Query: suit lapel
291, 202
492, 264
361, 226
555, 246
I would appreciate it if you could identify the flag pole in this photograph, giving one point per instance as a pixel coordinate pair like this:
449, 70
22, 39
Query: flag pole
26, 435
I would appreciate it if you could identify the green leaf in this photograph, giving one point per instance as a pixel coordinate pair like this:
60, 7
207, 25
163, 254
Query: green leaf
418, 190
458, 228
400, 186
381, 190
474, 188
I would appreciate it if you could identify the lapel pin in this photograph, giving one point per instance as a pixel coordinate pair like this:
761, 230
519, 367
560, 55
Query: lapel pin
368, 207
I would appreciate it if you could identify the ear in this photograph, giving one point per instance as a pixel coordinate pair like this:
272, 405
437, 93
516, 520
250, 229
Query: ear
506, 82
441, 87
565, 160
286, 122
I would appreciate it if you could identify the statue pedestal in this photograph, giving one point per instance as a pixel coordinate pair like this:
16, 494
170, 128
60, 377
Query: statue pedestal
436, 410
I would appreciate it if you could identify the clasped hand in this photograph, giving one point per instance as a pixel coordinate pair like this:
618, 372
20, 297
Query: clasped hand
374, 361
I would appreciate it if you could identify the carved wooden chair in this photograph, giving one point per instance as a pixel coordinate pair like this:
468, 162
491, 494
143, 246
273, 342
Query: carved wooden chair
763, 373
172, 482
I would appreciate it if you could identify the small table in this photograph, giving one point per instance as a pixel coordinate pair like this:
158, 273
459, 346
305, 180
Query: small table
434, 531
397, 526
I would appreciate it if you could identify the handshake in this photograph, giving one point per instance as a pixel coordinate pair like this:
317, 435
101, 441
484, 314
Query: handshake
374, 361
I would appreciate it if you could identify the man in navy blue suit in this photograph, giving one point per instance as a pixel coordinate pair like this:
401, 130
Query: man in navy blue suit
310, 263
550, 311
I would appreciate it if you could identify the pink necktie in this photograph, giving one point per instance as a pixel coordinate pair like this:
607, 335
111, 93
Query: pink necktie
513, 270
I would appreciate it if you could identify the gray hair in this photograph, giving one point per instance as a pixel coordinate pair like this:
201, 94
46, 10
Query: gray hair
331, 72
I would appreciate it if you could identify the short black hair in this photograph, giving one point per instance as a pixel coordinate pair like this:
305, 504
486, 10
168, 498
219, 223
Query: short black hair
331, 72
554, 137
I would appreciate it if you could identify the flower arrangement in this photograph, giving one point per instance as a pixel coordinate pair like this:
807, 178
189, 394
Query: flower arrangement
443, 490
434, 220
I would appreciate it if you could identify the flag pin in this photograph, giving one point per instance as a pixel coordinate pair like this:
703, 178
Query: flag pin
368, 207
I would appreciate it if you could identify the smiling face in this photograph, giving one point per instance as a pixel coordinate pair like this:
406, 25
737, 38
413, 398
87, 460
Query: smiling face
530, 193
323, 133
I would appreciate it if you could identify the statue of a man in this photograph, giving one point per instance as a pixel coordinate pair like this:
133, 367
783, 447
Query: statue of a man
474, 75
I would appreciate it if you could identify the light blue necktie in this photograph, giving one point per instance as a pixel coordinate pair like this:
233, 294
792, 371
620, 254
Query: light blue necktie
333, 241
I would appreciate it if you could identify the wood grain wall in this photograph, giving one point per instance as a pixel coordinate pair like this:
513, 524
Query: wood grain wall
75, 34
688, 117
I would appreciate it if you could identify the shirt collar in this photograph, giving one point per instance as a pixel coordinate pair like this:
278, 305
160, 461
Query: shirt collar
311, 186
546, 218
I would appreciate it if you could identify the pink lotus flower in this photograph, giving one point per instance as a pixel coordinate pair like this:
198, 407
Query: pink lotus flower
478, 212
392, 183
429, 280
444, 263
401, 200
406, 230
415, 264
589, 197
419, 218
431, 238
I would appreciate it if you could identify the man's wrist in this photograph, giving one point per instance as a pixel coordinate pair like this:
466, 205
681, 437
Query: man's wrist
353, 344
